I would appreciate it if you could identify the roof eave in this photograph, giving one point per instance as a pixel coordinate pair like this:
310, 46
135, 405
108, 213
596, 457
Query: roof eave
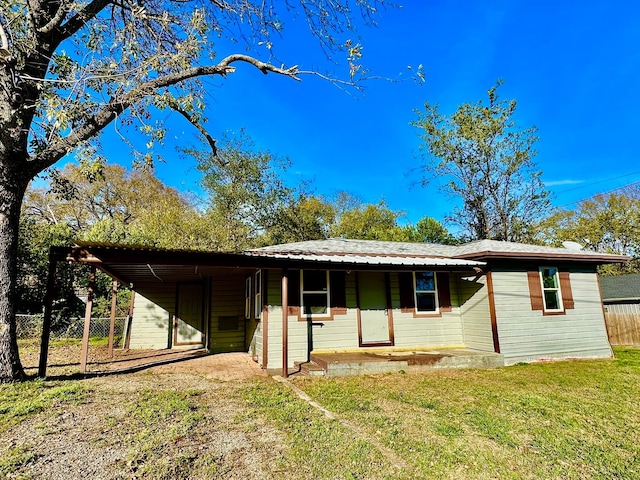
571, 257
102, 256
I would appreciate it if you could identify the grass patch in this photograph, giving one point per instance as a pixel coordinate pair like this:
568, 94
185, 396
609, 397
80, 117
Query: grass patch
163, 425
560, 420
21, 400
317, 447
14, 459
33, 344
571, 420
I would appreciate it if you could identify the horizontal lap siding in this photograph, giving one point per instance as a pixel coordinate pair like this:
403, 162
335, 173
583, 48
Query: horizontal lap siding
257, 336
476, 315
436, 331
341, 333
227, 299
297, 339
150, 324
527, 335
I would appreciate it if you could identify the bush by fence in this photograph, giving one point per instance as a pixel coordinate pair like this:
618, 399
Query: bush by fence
30, 326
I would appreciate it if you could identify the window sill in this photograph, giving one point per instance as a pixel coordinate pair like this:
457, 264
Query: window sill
425, 314
334, 311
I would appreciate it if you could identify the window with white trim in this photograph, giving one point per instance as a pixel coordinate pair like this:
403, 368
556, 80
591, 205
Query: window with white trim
314, 292
247, 298
425, 291
258, 295
551, 295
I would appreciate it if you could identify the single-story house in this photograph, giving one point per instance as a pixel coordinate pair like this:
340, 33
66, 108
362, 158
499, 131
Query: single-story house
621, 299
284, 303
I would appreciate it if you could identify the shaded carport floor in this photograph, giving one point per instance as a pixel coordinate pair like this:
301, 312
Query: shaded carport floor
64, 362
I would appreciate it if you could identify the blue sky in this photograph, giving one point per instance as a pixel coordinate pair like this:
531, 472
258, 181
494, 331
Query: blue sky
572, 66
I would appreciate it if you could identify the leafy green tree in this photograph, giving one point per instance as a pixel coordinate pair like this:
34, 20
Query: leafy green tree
605, 223
430, 230
304, 217
369, 222
245, 189
486, 162
33, 261
69, 69
112, 205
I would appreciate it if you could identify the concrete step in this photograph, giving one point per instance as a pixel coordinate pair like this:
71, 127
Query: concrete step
310, 369
371, 362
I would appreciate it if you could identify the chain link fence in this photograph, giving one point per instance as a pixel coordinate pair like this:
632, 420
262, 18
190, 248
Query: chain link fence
30, 326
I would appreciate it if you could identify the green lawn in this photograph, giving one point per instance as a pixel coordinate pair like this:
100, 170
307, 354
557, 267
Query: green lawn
560, 420
577, 419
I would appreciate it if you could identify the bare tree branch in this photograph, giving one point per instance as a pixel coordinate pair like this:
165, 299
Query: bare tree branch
55, 20
117, 105
79, 20
210, 140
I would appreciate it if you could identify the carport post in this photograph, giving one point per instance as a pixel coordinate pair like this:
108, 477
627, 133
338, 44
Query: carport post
87, 321
112, 324
285, 324
46, 321
127, 326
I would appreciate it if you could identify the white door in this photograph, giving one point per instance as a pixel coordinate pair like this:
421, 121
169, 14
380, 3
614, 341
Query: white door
375, 319
189, 325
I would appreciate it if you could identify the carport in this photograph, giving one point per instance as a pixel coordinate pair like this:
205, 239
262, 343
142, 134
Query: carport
156, 273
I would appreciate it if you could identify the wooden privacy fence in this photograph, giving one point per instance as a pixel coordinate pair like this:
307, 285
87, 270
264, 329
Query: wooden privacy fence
623, 328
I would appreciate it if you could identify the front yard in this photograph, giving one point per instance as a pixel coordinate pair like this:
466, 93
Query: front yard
551, 420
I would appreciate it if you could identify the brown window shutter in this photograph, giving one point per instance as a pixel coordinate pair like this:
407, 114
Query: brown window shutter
294, 292
565, 288
338, 294
535, 290
444, 293
405, 281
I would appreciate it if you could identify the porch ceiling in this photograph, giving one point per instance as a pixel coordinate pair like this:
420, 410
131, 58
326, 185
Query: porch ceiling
138, 265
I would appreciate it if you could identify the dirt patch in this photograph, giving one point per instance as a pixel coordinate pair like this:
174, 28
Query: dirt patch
102, 438
132, 425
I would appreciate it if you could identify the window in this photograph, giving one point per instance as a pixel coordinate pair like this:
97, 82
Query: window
247, 298
314, 289
426, 292
258, 297
551, 294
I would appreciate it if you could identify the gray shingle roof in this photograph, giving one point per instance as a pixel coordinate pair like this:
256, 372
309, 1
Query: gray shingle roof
494, 247
368, 252
361, 247
620, 287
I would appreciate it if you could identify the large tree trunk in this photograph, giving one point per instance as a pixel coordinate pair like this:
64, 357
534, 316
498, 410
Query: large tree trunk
12, 189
